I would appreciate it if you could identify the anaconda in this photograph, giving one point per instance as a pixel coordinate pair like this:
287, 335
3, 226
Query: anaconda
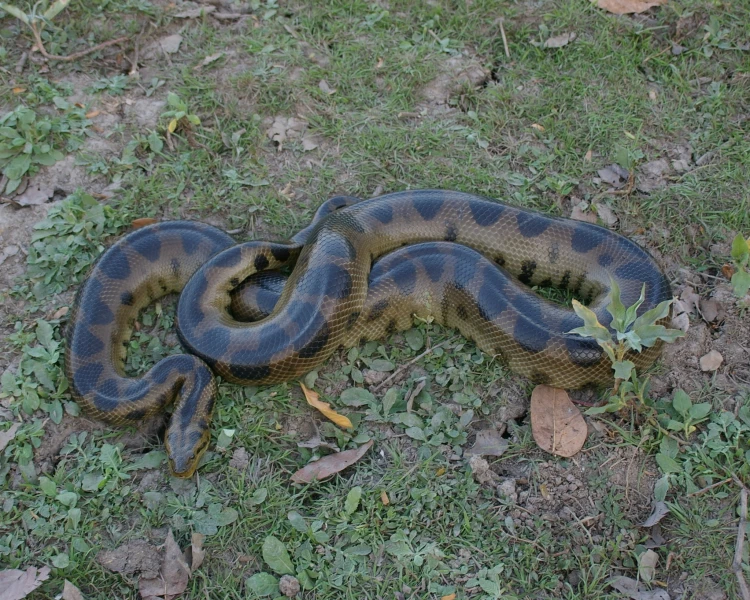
462, 259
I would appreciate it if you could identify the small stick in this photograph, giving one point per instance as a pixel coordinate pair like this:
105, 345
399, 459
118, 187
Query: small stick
22, 62
505, 39
75, 56
710, 487
409, 364
737, 562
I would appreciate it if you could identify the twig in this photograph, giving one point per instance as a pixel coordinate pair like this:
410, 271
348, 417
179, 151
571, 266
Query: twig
22, 62
409, 364
505, 39
76, 55
739, 546
709, 487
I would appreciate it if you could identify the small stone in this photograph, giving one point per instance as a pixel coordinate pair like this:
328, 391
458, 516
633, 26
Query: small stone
711, 361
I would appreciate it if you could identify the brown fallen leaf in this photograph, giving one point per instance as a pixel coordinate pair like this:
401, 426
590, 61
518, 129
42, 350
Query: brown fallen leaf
625, 7
579, 213
606, 214
711, 361
557, 425
19, 90
173, 576
143, 222
15, 584
325, 88
727, 270
489, 442
647, 565
71, 592
659, 511
325, 408
194, 553
330, 465
7, 436
537, 126
449, 597
711, 310
559, 41
632, 589
384, 498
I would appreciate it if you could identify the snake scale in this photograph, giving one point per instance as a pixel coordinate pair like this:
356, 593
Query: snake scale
464, 260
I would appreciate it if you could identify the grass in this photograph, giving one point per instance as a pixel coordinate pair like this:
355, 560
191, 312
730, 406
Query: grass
441, 532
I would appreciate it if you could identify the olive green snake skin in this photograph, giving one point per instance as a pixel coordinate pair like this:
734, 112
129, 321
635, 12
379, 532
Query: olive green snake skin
359, 273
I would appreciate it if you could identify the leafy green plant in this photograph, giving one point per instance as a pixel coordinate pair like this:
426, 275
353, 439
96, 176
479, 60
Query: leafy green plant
25, 145
179, 115
741, 257
632, 334
67, 242
687, 414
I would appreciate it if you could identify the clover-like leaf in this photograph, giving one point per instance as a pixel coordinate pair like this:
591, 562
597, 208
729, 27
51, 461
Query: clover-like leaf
740, 248
681, 402
623, 369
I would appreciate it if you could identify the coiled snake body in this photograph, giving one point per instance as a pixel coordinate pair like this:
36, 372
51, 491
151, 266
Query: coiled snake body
466, 266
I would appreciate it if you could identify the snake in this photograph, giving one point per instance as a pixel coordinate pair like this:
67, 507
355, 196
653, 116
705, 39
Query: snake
360, 271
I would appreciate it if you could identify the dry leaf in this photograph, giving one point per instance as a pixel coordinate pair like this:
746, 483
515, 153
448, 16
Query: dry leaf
489, 442
557, 425
660, 511
449, 597
60, 312
630, 588
606, 214
559, 41
142, 222
325, 408
587, 157
579, 213
93, 113
209, 59
681, 322
325, 88
173, 576
15, 584
727, 270
194, 553
647, 565
19, 90
690, 298
537, 126
7, 436
34, 195
310, 141
171, 43
711, 310
384, 498
711, 361
614, 175
71, 592
624, 7
330, 465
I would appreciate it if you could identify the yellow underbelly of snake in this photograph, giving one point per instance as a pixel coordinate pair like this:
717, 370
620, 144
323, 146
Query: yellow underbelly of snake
464, 260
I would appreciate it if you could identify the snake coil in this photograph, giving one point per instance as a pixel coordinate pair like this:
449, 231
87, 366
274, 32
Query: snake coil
464, 260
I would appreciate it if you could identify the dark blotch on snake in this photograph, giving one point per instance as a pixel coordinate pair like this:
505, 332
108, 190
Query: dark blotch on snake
586, 237
148, 247
427, 207
378, 309
280, 253
484, 215
528, 267
126, 299
531, 225
116, 265
382, 213
405, 277
260, 262
86, 377
228, 258
529, 335
315, 345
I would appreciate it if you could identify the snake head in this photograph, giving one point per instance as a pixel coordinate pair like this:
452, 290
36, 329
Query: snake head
185, 449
